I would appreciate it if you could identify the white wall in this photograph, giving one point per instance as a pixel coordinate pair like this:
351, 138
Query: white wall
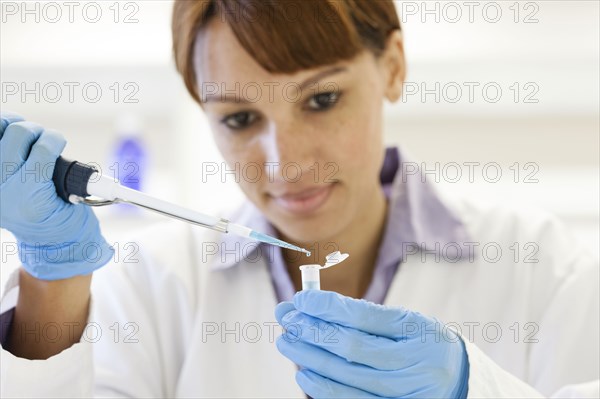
555, 130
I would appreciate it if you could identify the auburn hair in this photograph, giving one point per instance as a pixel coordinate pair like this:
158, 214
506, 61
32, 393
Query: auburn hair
285, 36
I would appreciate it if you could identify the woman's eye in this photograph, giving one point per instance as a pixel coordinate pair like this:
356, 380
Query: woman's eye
239, 120
323, 101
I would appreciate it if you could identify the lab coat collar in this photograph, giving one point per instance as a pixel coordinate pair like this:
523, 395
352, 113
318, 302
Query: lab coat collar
417, 219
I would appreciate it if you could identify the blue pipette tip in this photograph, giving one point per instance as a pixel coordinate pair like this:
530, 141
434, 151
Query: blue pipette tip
275, 241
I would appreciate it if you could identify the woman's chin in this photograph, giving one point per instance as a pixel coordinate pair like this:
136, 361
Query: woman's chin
311, 230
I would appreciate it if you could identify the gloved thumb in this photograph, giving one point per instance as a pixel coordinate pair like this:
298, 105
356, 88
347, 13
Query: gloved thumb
45, 151
6, 118
282, 309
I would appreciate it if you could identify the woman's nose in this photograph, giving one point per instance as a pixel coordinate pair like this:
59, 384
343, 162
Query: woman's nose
287, 147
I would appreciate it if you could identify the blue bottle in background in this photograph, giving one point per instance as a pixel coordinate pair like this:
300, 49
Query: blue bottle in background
129, 155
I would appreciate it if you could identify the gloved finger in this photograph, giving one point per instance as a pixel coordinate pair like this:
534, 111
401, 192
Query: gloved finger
326, 364
353, 345
6, 118
16, 144
282, 309
46, 150
316, 386
362, 315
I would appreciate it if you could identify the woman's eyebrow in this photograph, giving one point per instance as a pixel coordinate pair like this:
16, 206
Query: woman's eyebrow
228, 97
323, 74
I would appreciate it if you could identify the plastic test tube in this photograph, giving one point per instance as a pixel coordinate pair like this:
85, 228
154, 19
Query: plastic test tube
311, 278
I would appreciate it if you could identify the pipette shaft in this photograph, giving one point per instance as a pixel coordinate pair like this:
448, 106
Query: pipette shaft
75, 181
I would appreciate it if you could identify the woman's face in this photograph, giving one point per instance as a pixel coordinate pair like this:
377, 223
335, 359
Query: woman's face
308, 146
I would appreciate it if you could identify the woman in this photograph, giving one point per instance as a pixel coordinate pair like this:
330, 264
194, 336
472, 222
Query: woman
295, 83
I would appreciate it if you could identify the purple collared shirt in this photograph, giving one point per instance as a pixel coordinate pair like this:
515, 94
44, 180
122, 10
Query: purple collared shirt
416, 219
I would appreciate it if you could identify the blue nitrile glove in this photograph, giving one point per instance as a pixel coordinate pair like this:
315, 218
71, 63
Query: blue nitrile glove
56, 240
349, 348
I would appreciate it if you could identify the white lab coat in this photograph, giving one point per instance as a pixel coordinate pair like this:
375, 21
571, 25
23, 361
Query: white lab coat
202, 331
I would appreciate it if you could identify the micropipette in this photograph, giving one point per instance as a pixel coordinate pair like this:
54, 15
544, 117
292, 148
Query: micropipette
75, 182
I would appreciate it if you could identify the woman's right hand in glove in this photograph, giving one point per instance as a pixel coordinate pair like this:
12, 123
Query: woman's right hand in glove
56, 240
60, 244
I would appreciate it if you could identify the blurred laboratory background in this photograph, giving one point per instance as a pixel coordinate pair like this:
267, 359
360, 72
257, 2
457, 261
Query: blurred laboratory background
518, 86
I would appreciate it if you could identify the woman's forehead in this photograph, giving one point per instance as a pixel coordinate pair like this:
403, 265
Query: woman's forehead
220, 58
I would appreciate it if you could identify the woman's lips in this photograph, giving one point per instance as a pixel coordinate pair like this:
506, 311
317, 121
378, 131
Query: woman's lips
306, 201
